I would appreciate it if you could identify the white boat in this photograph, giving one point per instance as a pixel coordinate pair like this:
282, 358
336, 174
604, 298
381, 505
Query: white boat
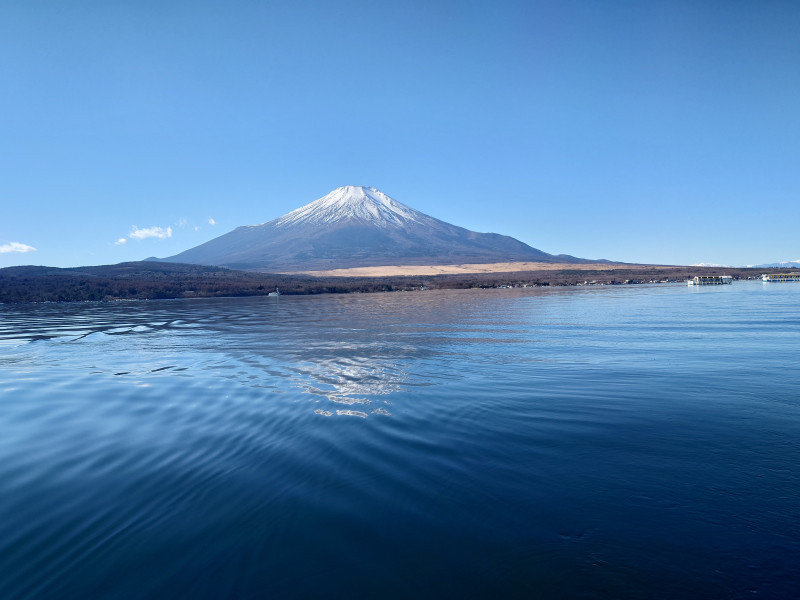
710, 280
780, 277
277, 292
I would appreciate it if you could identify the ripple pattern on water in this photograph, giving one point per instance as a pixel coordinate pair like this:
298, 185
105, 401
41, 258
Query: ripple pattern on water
601, 443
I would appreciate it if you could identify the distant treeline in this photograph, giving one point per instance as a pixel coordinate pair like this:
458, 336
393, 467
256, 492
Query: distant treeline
156, 280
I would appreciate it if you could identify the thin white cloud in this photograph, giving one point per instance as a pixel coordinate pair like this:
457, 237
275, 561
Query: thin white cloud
182, 222
211, 221
121, 241
196, 228
150, 232
16, 247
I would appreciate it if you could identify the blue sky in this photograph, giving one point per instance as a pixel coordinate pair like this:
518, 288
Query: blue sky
660, 132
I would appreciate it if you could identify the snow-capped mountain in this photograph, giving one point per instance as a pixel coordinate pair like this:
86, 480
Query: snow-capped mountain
356, 204
355, 226
786, 264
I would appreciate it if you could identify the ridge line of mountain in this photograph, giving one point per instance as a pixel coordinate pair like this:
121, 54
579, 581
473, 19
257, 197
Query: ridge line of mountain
356, 226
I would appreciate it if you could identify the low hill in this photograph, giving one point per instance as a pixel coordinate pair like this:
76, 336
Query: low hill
138, 280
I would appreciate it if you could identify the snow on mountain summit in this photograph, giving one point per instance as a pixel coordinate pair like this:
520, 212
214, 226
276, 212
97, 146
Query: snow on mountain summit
353, 203
355, 226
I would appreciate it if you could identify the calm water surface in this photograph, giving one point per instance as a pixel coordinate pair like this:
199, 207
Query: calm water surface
626, 442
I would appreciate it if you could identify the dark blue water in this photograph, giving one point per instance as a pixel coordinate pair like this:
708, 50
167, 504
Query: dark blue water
626, 442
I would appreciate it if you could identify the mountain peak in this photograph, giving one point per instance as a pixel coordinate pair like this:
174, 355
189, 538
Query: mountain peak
354, 203
357, 226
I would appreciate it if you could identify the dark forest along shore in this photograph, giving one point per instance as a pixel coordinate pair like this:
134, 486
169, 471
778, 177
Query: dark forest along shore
592, 442
158, 281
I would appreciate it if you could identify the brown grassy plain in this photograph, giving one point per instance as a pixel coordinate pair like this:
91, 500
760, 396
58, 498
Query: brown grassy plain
464, 269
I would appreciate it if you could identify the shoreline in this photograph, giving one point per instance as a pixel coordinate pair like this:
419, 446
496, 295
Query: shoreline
154, 281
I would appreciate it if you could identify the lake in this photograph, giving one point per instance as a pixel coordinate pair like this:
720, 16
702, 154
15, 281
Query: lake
591, 442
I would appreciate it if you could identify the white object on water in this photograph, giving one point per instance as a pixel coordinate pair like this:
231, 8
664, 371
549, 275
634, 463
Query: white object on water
710, 280
780, 277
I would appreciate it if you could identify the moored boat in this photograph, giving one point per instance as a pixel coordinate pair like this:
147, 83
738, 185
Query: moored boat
769, 277
710, 280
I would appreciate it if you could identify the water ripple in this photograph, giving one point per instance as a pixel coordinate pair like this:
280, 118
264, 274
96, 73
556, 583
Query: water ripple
631, 442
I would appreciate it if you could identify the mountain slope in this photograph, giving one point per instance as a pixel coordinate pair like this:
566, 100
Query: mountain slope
786, 264
356, 226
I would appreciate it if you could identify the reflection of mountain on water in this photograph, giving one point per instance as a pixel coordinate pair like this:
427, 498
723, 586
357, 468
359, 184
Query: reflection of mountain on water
348, 354
348, 381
